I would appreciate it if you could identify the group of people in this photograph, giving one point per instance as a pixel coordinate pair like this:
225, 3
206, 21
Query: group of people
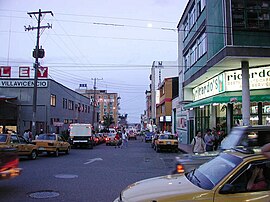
207, 142
122, 139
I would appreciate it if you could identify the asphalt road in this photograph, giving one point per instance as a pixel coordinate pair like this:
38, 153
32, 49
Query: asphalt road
96, 175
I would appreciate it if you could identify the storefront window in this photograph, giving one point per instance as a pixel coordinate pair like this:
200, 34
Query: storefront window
202, 118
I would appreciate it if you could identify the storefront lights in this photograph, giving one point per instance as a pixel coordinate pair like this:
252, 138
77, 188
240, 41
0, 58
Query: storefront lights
201, 106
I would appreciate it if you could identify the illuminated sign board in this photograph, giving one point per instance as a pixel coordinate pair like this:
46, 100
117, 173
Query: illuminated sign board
209, 88
259, 78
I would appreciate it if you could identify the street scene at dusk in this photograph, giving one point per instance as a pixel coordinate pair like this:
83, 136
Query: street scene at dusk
128, 101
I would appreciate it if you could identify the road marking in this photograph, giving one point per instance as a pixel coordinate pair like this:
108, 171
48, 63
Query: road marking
93, 160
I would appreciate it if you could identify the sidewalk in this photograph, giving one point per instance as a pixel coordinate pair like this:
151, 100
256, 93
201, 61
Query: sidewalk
185, 148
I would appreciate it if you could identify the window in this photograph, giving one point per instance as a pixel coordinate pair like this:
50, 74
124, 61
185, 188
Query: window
251, 14
53, 100
70, 105
192, 17
65, 103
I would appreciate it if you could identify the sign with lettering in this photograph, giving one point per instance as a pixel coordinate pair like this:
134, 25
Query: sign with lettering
209, 88
20, 83
259, 78
5, 71
24, 72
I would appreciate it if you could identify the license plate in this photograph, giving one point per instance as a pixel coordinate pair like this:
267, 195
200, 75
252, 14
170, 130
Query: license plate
168, 142
79, 140
41, 148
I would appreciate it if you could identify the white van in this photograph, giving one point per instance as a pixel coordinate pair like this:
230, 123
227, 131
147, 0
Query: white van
81, 135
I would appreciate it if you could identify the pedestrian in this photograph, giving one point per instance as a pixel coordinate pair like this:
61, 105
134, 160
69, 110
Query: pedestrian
26, 134
198, 144
118, 140
209, 140
124, 139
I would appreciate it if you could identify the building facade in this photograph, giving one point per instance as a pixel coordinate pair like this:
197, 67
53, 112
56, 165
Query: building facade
167, 90
57, 106
107, 104
159, 71
224, 59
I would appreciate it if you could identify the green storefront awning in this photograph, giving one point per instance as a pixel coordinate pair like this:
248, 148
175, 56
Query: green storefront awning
228, 97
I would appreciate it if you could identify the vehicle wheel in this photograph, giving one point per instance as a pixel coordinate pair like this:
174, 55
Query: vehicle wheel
33, 155
56, 153
68, 150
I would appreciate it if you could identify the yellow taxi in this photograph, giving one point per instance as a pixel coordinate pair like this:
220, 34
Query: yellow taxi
52, 143
227, 177
23, 147
166, 142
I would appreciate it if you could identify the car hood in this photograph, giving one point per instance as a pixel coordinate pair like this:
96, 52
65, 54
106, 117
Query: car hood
170, 187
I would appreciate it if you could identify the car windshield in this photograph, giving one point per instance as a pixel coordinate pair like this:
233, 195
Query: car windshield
231, 140
46, 137
3, 138
208, 175
170, 137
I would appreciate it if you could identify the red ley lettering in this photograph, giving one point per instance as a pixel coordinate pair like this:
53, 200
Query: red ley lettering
5, 71
43, 72
24, 72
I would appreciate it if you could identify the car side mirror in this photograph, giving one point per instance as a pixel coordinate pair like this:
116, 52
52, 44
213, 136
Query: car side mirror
227, 189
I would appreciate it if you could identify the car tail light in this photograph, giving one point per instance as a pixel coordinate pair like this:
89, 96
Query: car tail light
180, 169
10, 165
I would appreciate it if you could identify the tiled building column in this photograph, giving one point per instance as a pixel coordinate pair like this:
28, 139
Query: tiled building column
245, 93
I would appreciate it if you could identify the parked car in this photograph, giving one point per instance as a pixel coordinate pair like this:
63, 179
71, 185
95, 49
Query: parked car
148, 136
23, 147
224, 178
166, 142
9, 163
242, 136
52, 143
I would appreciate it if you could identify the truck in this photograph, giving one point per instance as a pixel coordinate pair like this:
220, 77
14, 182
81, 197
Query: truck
80, 135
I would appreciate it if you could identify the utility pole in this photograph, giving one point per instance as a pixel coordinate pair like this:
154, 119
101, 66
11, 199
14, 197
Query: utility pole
37, 53
94, 103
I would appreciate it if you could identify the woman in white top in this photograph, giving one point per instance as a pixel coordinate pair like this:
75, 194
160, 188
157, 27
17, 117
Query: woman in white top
198, 144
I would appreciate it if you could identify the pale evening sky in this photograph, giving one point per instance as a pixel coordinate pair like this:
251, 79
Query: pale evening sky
115, 41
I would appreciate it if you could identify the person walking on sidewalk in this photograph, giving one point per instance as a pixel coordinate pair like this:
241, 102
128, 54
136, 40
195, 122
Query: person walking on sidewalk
198, 144
209, 140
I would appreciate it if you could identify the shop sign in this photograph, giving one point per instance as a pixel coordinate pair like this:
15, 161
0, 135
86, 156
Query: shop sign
58, 124
209, 88
259, 78
161, 119
168, 118
22, 83
24, 72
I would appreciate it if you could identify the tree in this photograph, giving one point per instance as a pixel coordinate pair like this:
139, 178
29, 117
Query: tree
108, 120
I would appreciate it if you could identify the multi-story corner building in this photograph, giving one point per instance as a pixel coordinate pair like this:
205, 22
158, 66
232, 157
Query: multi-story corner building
159, 71
57, 106
167, 90
107, 104
224, 59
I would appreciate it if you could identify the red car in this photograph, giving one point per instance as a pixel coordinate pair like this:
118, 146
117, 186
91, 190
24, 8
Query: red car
9, 162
